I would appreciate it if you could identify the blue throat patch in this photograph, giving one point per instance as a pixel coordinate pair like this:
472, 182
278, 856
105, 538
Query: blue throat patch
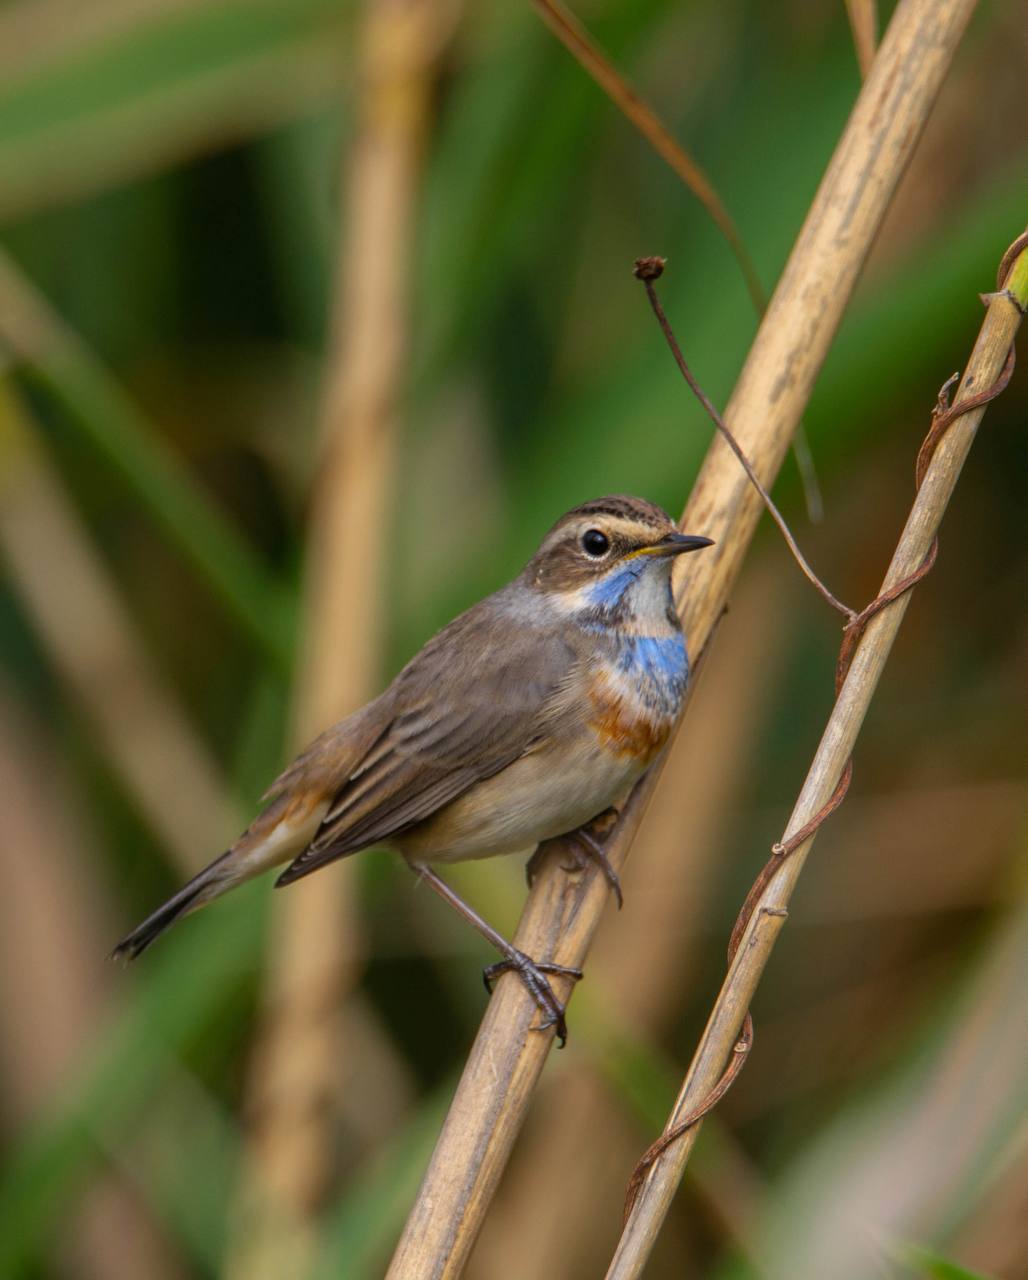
607, 592
658, 666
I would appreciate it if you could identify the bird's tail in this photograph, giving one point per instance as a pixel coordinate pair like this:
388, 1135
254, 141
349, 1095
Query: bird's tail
279, 833
208, 884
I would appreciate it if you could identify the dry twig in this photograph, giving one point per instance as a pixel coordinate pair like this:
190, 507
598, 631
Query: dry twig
574, 37
649, 270
867, 642
563, 910
641, 115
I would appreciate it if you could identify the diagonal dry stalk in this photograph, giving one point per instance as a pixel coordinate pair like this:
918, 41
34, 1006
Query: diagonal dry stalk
830, 766
550, 1194
563, 910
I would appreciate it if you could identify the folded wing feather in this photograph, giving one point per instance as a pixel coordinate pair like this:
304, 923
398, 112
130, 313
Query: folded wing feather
476, 698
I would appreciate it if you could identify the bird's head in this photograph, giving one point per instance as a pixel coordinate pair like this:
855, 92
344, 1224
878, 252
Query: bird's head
611, 553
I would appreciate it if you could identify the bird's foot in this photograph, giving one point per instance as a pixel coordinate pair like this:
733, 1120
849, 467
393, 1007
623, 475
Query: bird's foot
585, 845
533, 975
585, 849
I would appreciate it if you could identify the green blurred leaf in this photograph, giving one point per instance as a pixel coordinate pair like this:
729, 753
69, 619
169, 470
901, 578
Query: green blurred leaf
182, 987
927, 1263
184, 1131
357, 1236
146, 85
55, 362
297, 171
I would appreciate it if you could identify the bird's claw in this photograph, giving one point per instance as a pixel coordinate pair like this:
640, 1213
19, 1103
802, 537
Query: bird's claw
533, 976
584, 848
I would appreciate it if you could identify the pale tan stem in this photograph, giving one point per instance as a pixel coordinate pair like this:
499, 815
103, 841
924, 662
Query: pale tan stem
309, 1039
987, 360
550, 1194
563, 911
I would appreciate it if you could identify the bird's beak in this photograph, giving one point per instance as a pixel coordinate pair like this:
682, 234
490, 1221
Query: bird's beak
676, 544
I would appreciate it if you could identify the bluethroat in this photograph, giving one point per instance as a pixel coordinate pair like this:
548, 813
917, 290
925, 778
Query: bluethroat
528, 718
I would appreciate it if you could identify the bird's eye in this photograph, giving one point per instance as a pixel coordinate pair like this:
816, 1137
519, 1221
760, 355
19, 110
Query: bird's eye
595, 543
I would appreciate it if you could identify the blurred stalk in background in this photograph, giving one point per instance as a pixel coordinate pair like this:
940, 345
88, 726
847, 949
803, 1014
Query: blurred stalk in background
303, 1062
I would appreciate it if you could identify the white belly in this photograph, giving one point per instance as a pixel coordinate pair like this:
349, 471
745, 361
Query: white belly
542, 795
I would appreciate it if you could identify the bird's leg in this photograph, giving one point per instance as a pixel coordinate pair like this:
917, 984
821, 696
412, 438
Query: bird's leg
586, 845
531, 972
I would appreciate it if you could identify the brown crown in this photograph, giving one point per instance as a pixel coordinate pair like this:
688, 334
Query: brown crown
560, 563
622, 506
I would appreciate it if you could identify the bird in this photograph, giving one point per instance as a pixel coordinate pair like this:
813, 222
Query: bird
529, 717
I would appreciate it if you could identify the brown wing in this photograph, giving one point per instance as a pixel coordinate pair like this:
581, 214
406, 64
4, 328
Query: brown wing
478, 696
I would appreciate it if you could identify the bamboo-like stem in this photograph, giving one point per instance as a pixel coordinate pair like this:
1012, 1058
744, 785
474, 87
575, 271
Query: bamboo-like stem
563, 910
308, 1038
550, 1194
1002, 320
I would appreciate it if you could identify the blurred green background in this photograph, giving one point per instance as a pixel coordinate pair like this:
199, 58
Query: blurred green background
177, 180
